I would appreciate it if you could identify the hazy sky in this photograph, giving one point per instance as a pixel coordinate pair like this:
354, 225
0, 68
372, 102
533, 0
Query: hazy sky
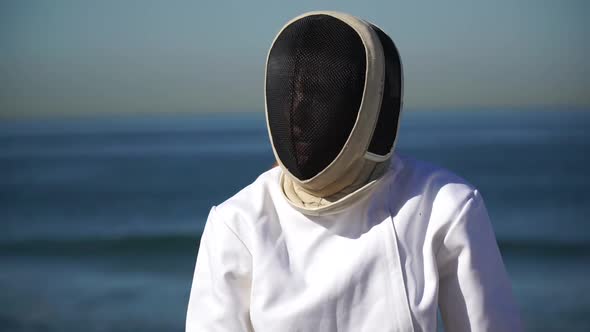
84, 57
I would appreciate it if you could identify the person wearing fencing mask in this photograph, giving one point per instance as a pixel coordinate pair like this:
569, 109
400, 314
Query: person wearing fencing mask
345, 234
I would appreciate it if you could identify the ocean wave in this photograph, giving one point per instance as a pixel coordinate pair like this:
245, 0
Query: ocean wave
106, 246
545, 248
175, 244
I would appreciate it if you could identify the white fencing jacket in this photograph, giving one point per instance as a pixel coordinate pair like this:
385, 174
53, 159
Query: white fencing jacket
420, 240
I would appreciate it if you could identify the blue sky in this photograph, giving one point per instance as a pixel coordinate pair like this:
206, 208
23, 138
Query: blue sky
87, 57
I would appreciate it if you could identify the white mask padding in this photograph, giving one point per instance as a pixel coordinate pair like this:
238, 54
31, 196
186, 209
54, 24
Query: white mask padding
312, 204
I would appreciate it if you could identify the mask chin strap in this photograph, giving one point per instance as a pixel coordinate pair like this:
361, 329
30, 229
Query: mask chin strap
353, 186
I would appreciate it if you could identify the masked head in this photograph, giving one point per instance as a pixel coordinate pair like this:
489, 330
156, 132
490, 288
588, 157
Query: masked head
333, 94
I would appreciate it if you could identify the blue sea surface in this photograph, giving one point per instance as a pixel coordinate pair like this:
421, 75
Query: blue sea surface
100, 219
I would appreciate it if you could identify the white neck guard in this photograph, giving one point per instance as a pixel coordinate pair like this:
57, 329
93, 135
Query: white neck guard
354, 188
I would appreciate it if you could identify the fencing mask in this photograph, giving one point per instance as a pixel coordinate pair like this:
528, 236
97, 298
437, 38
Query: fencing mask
333, 91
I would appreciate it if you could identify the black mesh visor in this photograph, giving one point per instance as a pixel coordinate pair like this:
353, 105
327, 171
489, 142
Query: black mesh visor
386, 128
314, 86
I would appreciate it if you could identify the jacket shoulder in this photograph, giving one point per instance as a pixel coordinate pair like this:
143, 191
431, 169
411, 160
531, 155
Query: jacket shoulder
251, 204
254, 192
420, 178
428, 200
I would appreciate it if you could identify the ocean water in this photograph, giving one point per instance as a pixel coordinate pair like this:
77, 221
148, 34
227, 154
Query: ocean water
100, 219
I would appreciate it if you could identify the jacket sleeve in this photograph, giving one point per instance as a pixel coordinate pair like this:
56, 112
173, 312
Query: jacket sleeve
220, 293
475, 293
